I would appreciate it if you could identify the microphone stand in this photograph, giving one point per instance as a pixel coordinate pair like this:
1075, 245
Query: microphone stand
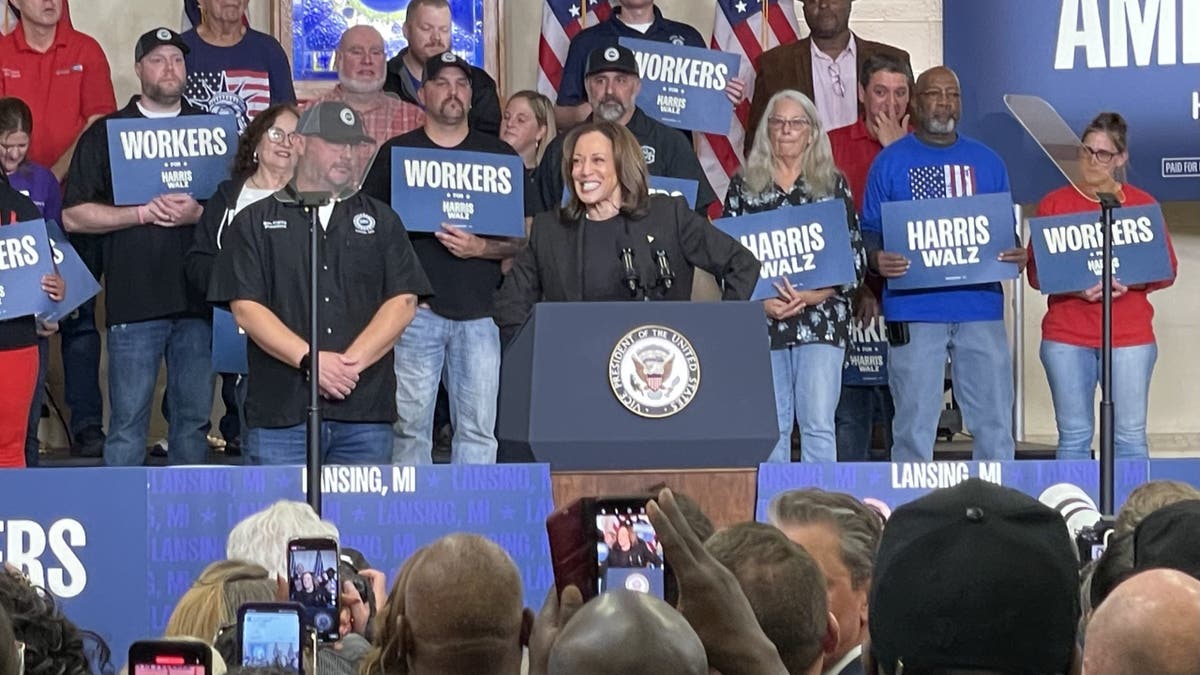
311, 202
1108, 202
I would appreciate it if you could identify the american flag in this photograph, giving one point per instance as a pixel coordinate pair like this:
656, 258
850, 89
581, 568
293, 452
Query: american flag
942, 181
561, 20
739, 29
244, 93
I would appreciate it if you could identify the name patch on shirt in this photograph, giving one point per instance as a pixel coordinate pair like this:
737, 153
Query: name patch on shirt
481, 192
684, 87
189, 154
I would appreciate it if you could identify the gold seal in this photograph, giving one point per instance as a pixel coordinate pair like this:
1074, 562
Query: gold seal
654, 371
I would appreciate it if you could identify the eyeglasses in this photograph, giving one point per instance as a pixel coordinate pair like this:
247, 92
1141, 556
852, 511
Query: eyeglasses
1101, 156
20, 658
835, 74
278, 135
781, 123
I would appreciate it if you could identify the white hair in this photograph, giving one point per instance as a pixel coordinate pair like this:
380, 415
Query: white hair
262, 537
818, 169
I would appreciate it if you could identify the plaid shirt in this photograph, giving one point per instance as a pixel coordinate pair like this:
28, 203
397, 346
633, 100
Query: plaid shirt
388, 119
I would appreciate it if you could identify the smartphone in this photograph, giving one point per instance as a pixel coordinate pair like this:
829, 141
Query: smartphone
897, 333
572, 548
313, 583
170, 657
627, 551
271, 635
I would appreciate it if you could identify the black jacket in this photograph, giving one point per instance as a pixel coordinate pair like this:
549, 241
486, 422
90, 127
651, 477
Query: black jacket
210, 231
485, 102
550, 267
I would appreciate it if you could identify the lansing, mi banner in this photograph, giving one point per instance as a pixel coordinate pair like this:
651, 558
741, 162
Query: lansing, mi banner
190, 154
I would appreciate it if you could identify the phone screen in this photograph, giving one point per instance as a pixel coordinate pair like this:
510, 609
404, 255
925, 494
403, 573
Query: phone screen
271, 638
628, 553
314, 583
175, 666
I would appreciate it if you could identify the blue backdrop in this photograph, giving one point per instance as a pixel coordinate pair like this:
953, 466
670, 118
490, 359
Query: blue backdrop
1071, 53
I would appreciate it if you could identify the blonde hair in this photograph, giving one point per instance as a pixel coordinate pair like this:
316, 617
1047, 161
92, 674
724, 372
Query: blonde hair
818, 170
214, 598
543, 112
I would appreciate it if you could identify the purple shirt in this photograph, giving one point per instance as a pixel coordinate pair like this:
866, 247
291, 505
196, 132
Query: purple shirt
37, 183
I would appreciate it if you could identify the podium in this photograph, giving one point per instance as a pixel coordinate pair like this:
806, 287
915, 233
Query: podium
621, 386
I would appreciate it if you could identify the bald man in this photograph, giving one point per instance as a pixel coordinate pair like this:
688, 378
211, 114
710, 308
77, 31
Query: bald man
463, 609
1148, 624
626, 632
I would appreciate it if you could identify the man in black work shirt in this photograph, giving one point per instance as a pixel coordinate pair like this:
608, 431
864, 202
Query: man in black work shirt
455, 330
612, 84
368, 288
151, 311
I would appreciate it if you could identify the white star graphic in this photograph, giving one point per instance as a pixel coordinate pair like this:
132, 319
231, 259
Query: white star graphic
741, 7
575, 11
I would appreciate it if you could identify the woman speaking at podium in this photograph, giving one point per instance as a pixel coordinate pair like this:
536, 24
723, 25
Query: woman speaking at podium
1070, 348
613, 241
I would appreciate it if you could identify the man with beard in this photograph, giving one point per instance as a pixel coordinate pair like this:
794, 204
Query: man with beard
966, 321
453, 332
370, 283
612, 83
823, 66
362, 70
151, 312
427, 30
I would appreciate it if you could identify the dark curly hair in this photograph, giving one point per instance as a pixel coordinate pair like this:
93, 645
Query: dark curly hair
244, 162
53, 644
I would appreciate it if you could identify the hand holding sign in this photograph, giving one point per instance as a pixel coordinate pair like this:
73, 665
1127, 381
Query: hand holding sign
735, 90
460, 243
890, 265
54, 286
1016, 255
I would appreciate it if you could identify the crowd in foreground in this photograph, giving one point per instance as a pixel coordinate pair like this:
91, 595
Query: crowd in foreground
974, 578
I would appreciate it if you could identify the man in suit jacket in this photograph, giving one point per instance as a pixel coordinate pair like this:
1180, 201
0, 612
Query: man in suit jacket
823, 66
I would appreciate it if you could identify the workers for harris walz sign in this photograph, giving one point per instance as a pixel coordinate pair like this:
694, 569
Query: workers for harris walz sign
684, 87
809, 245
1069, 249
191, 154
951, 242
481, 192
24, 260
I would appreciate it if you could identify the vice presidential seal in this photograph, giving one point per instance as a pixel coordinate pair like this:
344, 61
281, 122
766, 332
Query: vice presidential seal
654, 371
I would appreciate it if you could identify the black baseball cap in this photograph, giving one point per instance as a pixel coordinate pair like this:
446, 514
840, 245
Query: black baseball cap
158, 37
616, 57
335, 122
975, 576
1168, 538
435, 64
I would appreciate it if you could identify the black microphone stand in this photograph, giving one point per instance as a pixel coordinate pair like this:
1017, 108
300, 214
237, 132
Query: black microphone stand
311, 202
1108, 202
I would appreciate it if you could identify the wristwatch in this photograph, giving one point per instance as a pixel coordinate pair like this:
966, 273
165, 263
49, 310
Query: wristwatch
306, 365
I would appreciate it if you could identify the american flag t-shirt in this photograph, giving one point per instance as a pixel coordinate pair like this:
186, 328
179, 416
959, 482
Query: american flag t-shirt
942, 181
244, 93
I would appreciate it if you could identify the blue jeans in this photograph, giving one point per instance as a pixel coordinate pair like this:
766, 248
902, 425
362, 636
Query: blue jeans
981, 367
1074, 375
808, 381
81, 368
341, 443
135, 352
858, 410
468, 353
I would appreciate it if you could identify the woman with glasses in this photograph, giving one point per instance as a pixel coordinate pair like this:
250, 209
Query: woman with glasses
263, 165
791, 164
1070, 348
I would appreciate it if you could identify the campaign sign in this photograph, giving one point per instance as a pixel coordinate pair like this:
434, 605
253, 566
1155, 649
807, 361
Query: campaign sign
950, 242
228, 344
480, 192
24, 259
866, 359
809, 245
1070, 249
190, 154
81, 285
661, 185
684, 87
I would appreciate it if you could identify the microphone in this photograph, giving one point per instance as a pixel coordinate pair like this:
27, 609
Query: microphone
631, 279
666, 278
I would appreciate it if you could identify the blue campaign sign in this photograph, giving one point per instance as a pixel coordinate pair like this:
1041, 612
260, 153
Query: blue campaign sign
809, 245
481, 192
684, 87
1070, 249
661, 185
950, 242
81, 285
190, 154
24, 259
228, 344
866, 359
1082, 56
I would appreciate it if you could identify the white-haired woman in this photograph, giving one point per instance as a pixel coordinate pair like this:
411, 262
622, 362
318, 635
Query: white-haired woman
791, 164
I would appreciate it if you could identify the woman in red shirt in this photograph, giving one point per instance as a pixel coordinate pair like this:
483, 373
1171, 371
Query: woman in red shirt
1070, 349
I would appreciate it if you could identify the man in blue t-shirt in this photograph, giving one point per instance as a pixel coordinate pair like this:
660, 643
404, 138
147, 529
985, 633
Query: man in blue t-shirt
966, 322
233, 69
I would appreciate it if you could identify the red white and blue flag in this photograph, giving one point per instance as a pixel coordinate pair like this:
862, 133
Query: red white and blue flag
561, 20
942, 181
740, 29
